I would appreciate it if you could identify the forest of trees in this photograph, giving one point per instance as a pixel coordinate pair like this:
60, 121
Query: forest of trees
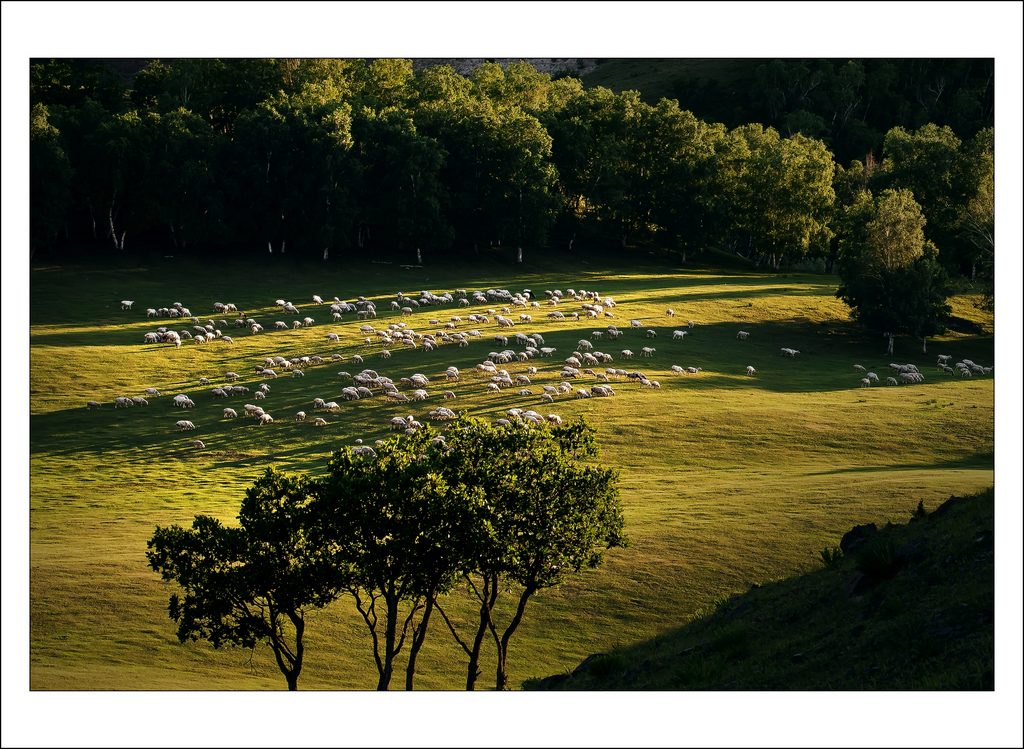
335, 158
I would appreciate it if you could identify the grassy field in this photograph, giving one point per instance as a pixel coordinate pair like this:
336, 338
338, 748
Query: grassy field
726, 479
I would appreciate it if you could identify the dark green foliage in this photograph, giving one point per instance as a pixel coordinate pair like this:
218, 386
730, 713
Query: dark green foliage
850, 104
328, 158
253, 583
878, 560
891, 277
400, 525
831, 556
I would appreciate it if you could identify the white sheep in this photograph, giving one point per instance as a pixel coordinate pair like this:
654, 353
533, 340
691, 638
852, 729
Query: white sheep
651, 334
678, 335
865, 382
647, 351
751, 371
93, 404
319, 421
266, 418
891, 381
859, 368
230, 413
300, 416
184, 425
742, 335
126, 304
670, 312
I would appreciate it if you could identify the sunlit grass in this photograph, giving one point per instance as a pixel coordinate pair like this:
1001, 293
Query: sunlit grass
726, 479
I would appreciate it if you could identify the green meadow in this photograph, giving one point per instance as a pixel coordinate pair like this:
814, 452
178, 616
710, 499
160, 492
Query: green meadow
726, 479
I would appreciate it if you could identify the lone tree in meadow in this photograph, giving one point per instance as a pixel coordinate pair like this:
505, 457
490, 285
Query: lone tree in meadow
248, 584
541, 513
891, 277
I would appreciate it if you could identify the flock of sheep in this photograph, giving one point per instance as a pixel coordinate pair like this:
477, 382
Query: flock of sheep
584, 362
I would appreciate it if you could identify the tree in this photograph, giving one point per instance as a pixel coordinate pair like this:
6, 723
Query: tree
395, 527
402, 195
253, 583
543, 513
977, 222
49, 180
890, 274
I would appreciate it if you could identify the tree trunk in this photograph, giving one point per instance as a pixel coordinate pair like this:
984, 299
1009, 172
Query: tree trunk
389, 646
519, 254
418, 636
270, 247
92, 217
293, 681
419, 257
501, 673
486, 605
282, 246
891, 338
924, 344
113, 231
325, 254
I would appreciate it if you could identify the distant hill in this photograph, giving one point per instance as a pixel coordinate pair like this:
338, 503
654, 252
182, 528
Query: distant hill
656, 77
906, 607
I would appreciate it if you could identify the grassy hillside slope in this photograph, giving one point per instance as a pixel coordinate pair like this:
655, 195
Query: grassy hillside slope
911, 607
726, 479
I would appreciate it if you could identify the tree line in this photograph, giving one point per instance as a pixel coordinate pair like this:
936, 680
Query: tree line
336, 158
419, 527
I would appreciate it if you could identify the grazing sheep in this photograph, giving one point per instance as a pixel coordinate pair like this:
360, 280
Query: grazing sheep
891, 381
872, 376
742, 335
448, 395
266, 419
651, 334
184, 425
751, 371
859, 368
198, 444
647, 351
317, 299
626, 353
865, 382
789, 352
678, 335
635, 324
93, 404
300, 416
693, 370
319, 421
152, 391
126, 304
230, 413
670, 312
230, 376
